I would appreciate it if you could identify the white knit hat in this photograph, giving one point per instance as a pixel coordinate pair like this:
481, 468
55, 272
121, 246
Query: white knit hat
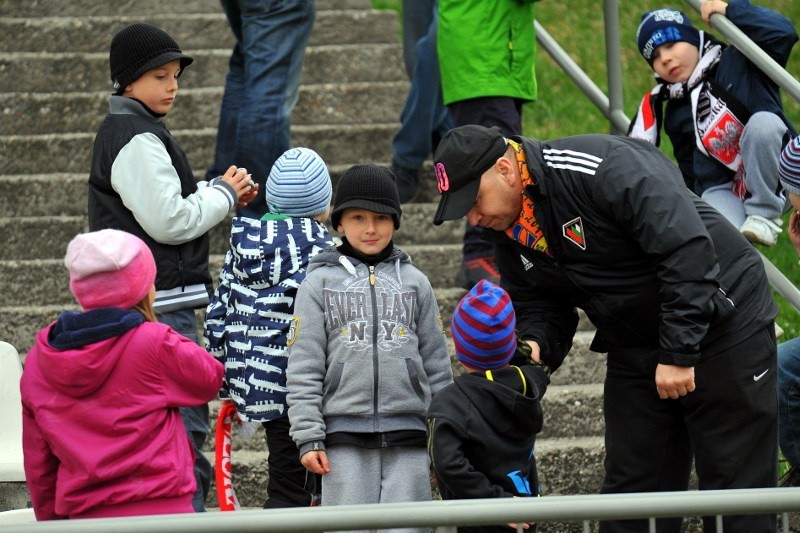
299, 184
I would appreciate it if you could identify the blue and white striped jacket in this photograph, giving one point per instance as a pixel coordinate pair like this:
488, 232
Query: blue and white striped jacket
251, 310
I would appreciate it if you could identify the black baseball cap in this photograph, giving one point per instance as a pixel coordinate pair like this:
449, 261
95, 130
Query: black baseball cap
461, 158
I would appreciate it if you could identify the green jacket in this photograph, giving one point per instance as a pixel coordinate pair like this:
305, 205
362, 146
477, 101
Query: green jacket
486, 48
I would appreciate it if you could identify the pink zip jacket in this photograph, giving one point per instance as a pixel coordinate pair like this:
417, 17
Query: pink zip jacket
102, 435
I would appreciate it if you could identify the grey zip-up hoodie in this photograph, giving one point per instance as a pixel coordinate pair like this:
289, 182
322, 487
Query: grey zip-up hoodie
367, 349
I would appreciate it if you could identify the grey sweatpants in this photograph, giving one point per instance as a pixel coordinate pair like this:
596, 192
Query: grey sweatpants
384, 475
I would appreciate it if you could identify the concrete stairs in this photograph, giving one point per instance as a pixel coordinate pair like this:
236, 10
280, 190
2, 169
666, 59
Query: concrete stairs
53, 90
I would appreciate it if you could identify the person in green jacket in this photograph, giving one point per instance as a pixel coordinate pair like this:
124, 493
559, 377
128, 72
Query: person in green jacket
486, 59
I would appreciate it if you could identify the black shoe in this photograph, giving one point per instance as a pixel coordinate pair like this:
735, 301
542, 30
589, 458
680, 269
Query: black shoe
474, 270
791, 478
407, 180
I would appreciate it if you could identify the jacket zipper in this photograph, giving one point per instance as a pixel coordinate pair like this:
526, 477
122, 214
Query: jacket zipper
374, 348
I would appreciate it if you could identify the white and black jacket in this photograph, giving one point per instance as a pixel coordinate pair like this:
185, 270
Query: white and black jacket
142, 183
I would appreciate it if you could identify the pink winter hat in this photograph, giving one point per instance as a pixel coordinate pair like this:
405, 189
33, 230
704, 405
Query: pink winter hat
109, 268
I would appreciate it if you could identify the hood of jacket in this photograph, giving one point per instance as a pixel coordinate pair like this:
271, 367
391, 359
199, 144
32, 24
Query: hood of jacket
512, 409
264, 253
79, 350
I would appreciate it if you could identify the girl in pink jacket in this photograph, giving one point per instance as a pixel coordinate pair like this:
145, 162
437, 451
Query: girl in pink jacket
101, 388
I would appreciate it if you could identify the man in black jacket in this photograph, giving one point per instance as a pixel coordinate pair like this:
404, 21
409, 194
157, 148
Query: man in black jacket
679, 298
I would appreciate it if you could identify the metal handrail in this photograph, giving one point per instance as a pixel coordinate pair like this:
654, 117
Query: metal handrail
448, 514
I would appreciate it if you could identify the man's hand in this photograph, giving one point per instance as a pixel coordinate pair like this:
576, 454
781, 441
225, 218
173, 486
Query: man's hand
535, 351
674, 381
316, 461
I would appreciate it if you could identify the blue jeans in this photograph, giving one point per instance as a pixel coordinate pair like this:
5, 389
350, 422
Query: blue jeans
195, 419
424, 119
261, 87
789, 400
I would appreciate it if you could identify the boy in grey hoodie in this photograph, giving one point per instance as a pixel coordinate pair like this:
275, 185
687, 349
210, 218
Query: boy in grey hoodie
367, 352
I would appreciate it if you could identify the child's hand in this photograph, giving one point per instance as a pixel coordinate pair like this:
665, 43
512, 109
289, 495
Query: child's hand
525, 525
710, 7
316, 461
242, 182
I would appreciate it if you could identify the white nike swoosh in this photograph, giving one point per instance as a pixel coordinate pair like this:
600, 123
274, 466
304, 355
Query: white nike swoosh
761, 375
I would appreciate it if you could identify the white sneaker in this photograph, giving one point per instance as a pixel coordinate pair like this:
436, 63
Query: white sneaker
761, 229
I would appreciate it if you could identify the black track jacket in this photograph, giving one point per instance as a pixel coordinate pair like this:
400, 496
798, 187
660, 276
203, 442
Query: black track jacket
652, 265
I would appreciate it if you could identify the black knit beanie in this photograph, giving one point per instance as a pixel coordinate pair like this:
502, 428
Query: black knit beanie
139, 48
370, 187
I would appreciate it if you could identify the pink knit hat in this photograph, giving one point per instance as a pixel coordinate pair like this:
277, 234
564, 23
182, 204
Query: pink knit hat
109, 268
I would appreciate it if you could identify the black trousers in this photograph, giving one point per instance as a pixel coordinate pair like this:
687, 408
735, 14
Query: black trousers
728, 425
290, 484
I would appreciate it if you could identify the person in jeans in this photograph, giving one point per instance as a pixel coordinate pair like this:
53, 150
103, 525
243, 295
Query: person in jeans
424, 119
261, 87
789, 351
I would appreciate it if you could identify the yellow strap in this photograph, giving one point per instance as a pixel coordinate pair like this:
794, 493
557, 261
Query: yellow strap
490, 377
522, 377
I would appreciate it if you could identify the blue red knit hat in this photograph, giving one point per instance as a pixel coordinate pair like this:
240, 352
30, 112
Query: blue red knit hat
483, 327
663, 26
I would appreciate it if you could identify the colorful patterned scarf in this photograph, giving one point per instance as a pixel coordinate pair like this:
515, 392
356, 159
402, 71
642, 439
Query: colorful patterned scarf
526, 229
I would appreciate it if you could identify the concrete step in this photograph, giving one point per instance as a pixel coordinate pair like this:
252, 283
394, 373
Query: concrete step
570, 411
86, 8
88, 72
566, 466
192, 31
64, 194
20, 320
47, 113
71, 152
46, 237
46, 281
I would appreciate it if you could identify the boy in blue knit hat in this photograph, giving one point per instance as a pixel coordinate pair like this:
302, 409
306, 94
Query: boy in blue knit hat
723, 115
482, 427
250, 313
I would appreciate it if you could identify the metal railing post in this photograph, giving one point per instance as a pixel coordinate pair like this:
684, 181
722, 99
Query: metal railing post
579, 77
613, 62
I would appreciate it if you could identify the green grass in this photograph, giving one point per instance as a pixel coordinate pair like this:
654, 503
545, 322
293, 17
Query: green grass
563, 110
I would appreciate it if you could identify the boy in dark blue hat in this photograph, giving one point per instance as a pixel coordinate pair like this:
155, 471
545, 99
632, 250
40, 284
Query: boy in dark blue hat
723, 115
